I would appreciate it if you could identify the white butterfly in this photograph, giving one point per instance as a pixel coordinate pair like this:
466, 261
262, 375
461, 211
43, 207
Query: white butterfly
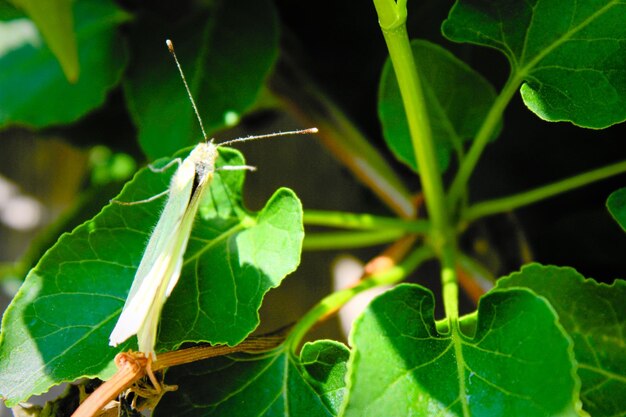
162, 261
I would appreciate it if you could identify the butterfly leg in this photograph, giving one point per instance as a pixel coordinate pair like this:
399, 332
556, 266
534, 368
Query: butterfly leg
173, 162
176, 161
155, 382
147, 200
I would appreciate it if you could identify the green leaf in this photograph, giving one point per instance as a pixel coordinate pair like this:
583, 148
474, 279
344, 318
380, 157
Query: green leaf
594, 316
55, 21
616, 203
449, 86
226, 53
272, 384
519, 362
57, 327
33, 88
571, 55
325, 363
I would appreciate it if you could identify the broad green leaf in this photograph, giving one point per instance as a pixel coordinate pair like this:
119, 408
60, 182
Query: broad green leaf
458, 99
55, 21
226, 53
33, 88
616, 203
272, 384
594, 316
519, 362
570, 55
58, 325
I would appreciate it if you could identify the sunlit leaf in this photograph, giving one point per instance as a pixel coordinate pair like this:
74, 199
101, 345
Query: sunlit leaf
571, 56
519, 362
594, 316
325, 362
271, 384
57, 328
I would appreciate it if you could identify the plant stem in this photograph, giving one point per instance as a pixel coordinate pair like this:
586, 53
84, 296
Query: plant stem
459, 184
363, 221
450, 283
392, 19
401, 57
336, 300
514, 201
348, 240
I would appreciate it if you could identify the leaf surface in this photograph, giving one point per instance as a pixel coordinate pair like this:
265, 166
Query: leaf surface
325, 363
457, 99
594, 316
271, 384
571, 55
48, 98
57, 327
518, 363
226, 52
616, 204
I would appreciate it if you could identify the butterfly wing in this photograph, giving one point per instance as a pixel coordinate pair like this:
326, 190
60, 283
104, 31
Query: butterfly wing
156, 263
147, 332
161, 264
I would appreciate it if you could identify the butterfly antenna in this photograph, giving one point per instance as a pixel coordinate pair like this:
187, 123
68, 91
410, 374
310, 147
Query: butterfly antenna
271, 135
170, 46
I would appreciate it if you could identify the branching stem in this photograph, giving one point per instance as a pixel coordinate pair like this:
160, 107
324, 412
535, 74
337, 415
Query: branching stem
500, 205
392, 20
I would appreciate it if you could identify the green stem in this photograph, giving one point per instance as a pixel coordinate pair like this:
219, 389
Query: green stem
363, 221
450, 283
511, 202
403, 63
349, 240
336, 300
490, 124
467, 324
392, 19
